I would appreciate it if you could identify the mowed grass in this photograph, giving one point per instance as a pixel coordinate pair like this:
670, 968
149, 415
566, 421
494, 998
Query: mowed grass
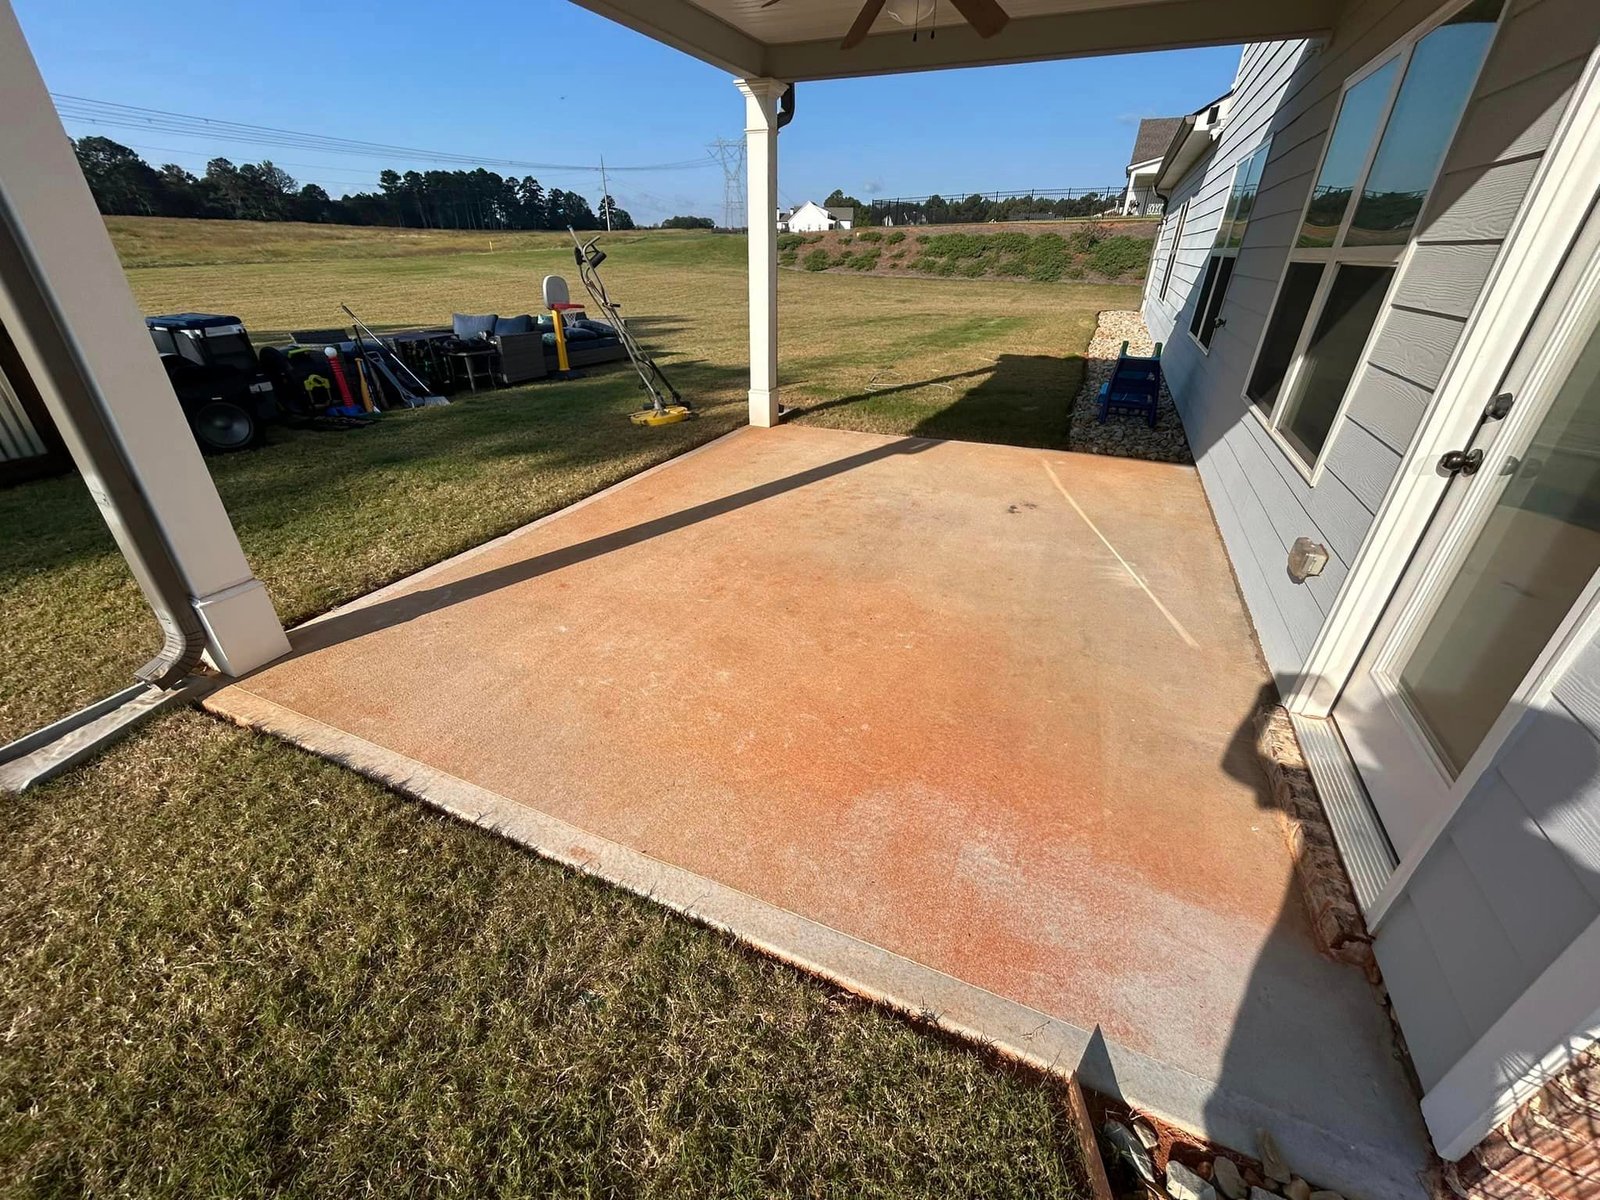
325, 517
229, 968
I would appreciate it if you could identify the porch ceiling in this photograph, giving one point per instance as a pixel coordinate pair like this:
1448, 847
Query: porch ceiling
965, 726
799, 39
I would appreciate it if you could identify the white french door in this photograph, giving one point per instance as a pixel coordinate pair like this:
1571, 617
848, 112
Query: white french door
1505, 569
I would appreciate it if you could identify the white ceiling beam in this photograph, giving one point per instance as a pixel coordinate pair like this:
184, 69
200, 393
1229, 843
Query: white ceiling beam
1120, 29
686, 27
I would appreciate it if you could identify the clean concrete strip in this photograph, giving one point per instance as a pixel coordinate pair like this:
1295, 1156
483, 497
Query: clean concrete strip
79, 739
1132, 574
1207, 1106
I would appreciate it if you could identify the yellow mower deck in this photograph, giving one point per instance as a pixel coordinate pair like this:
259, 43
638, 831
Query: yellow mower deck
666, 416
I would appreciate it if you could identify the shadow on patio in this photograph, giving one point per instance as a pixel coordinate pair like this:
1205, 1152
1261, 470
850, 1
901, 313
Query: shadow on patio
966, 727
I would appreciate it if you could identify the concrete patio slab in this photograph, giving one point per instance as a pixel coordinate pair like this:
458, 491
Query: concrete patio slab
965, 727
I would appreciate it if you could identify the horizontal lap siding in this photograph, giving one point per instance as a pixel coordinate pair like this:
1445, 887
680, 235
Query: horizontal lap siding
1290, 92
1515, 876
1507, 887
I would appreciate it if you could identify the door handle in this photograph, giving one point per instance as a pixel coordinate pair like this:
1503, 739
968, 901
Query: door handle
1461, 462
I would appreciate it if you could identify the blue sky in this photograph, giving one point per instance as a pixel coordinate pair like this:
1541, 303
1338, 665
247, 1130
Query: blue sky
545, 81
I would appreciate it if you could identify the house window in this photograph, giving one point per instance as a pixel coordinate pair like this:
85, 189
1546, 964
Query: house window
1395, 122
1172, 249
1204, 321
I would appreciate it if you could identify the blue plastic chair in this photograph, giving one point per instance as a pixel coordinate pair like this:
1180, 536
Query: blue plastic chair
1134, 386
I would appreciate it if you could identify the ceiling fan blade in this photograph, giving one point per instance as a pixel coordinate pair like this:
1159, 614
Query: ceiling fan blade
864, 19
985, 16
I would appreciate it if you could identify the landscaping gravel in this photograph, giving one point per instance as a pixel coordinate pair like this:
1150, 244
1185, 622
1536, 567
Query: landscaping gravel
1127, 436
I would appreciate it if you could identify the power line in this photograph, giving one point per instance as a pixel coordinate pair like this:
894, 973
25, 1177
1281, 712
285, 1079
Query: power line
129, 116
729, 152
326, 171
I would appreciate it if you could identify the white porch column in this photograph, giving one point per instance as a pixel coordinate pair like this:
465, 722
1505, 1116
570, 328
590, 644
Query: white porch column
761, 159
82, 338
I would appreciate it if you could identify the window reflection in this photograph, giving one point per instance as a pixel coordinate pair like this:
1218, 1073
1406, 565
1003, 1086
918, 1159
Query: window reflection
1347, 154
1431, 98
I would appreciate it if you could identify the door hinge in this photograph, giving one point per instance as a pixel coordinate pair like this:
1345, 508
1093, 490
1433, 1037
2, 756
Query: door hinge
1461, 462
1500, 406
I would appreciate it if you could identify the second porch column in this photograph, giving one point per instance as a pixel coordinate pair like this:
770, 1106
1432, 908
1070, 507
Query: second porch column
761, 157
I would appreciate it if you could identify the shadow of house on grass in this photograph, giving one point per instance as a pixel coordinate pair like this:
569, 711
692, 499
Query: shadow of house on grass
1039, 400
1016, 400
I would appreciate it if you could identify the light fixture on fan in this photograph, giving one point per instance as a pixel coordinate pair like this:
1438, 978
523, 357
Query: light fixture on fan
909, 12
986, 17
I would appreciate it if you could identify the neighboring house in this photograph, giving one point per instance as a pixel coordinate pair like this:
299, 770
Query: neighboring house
1375, 276
812, 217
1149, 144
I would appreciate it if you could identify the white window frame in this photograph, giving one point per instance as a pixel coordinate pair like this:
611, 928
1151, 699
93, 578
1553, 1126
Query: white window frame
1338, 254
1172, 250
1219, 251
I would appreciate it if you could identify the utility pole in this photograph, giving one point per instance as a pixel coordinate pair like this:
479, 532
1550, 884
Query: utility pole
729, 152
605, 193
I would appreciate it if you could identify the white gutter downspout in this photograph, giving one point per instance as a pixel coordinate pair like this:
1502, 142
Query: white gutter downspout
80, 334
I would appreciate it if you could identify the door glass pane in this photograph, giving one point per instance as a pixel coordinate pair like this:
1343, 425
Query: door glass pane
1432, 95
1332, 355
1347, 154
1283, 331
1526, 569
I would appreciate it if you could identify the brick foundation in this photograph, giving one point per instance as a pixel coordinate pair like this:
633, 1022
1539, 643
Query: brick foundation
1336, 919
1550, 1148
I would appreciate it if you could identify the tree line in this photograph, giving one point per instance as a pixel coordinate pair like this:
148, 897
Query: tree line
975, 209
125, 185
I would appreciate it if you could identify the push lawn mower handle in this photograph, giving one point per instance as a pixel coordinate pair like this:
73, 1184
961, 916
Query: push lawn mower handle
586, 253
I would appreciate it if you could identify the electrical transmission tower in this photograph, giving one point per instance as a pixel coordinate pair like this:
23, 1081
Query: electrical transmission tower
730, 153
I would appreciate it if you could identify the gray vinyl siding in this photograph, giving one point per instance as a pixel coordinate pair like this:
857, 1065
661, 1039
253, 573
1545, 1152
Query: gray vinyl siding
1289, 91
1513, 880
1515, 877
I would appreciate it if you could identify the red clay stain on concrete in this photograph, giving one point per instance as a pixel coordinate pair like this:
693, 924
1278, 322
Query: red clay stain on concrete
912, 697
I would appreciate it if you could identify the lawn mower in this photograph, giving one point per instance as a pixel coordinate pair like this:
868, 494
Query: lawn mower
220, 385
659, 409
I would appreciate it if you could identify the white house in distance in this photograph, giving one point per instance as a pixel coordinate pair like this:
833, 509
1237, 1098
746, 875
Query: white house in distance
812, 217
1149, 145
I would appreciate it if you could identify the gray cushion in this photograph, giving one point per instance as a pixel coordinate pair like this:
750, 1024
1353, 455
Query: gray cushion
465, 326
510, 325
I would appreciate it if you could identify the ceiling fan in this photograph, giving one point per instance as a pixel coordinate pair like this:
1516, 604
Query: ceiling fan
986, 17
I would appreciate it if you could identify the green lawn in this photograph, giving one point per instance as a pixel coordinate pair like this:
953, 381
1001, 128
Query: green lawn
228, 968
325, 517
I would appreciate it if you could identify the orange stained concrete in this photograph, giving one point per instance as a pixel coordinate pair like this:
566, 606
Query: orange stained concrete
986, 707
